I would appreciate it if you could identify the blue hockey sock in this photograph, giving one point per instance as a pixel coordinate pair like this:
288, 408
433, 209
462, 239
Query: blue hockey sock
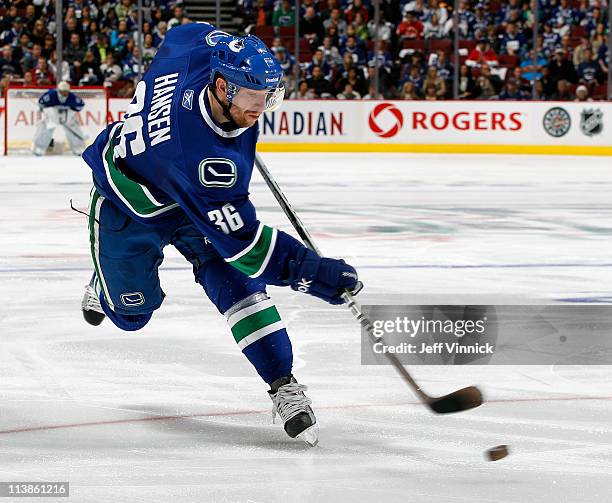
261, 335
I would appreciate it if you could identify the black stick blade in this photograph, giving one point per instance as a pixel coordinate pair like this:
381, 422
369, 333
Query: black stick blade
463, 399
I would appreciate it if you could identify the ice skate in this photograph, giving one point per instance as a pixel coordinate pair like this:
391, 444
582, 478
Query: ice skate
293, 406
90, 305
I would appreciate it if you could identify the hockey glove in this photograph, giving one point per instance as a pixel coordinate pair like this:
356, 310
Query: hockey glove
325, 278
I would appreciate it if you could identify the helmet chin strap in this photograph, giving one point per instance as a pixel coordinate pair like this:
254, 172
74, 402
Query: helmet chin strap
231, 123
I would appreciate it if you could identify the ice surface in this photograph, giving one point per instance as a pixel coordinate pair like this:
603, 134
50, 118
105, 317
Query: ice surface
175, 413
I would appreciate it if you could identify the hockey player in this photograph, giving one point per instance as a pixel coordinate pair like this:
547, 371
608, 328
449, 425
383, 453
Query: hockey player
59, 107
176, 171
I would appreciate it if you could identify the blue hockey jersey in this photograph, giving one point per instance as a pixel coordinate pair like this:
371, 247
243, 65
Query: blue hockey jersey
169, 154
51, 99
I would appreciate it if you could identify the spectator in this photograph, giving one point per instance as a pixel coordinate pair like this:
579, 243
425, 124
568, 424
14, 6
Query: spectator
319, 84
38, 32
416, 77
284, 15
512, 41
433, 28
348, 93
488, 83
430, 93
582, 93
49, 46
384, 30
564, 92
410, 28
90, 74
331, 53
159, 33
433, 79
11, 36
287, 62
551, 40
511, 91
561, 68
354, 49
303, 92
539, 92
124, 9
467, 86
30, 58
482, 53
528, 70
356, 7
445, 69
8, 63
74, 53
311, 27
111, 71
120, 36
579, 51
59, 74
588, 70
361, 29
355, 79
336, 20
177, 20
318, 59
409, 91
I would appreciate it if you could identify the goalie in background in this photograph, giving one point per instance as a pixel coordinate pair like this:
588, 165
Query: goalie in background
59, 107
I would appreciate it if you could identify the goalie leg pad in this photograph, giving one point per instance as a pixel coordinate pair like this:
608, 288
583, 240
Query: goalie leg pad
75, 136
42, 137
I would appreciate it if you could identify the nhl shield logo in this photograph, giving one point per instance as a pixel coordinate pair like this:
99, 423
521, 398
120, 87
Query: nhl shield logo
591, 121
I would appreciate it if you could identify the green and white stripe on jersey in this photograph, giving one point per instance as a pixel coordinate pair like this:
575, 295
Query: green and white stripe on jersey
135, 196
95, 206
254, 259
254, 322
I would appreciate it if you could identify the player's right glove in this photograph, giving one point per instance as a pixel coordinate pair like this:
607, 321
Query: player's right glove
325, 278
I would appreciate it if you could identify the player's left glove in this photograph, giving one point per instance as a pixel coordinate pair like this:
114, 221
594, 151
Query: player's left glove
325, 278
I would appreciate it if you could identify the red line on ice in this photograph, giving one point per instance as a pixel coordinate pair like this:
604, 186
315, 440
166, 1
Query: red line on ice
247, 412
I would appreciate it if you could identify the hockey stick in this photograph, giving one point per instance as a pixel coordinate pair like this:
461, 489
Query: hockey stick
80, 137
460, 400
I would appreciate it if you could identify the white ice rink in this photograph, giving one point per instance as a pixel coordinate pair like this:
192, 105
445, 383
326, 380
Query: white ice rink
175, 413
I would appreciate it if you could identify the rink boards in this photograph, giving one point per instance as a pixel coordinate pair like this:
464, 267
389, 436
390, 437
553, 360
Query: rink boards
505, 127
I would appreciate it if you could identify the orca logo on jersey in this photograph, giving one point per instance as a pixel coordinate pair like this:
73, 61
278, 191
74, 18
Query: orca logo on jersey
217, 172
132, 299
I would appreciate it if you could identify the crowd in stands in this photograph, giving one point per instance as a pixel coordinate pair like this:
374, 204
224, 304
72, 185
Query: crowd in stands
100, 41
338, 52
341, 47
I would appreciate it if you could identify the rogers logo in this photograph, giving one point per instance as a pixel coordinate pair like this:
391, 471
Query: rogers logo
392, 120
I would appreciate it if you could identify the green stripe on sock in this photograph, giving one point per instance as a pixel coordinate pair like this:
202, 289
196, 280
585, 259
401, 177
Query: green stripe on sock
254, 322
251, 262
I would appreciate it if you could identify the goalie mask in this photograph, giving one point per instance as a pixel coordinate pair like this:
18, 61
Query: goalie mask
63, 90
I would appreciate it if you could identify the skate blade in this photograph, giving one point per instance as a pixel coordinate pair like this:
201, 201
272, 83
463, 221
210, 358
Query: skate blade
310, 435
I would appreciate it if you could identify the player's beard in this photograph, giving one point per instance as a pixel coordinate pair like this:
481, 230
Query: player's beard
244, 118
